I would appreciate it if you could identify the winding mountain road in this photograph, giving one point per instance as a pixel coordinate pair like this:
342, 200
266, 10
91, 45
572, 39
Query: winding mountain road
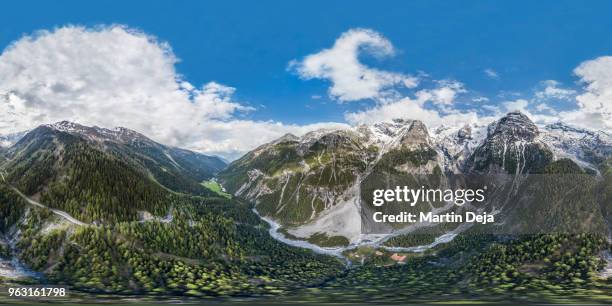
58, 212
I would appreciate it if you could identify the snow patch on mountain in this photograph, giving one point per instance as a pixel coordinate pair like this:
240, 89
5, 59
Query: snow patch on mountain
585, 147
454, 145
98, 134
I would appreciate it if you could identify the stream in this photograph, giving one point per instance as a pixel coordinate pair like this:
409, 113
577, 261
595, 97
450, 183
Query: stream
13, 268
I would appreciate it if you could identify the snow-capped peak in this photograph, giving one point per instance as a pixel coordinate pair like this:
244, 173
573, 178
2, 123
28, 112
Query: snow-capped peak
455, 143
98, 134
586, 147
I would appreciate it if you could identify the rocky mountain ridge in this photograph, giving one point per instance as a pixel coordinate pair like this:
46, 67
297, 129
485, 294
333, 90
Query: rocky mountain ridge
317, 185
50, 155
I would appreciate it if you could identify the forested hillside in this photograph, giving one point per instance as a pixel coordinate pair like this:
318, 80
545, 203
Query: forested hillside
107, 180
136, 233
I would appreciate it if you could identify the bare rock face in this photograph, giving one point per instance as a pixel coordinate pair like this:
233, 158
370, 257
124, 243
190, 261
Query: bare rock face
510, 147
416, 135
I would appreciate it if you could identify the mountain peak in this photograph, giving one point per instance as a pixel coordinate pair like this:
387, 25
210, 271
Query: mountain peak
177, 169
401, 121
515, 117
286, 137
98, 134
514, 125
417, 126
67, 126
417, 134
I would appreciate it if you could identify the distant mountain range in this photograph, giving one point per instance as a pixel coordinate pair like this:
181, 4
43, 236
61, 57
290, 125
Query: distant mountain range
317, 185
9, 139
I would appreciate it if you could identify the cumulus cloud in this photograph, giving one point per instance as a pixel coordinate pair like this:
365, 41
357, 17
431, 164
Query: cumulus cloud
117, 76
595, 102
351, 80
433, 106
543, 107
548, 104
411, 109
446, 92
552, 90
516, 105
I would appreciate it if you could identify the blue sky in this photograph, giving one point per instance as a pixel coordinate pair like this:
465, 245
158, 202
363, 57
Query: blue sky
248, 44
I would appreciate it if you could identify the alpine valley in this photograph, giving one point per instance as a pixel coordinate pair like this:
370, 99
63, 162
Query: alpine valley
319, 186
111, 213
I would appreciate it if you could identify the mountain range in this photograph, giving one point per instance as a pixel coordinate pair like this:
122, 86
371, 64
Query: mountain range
53, 161
318, 185
112, 211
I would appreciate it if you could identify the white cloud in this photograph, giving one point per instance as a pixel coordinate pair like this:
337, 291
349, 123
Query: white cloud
543, 107
117, 76
352, 80
480, 99
232, 139
411, 109
516, 105
446, 93
440, 111
593, 107
491, 73
551, 90
542, 116
595, 103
